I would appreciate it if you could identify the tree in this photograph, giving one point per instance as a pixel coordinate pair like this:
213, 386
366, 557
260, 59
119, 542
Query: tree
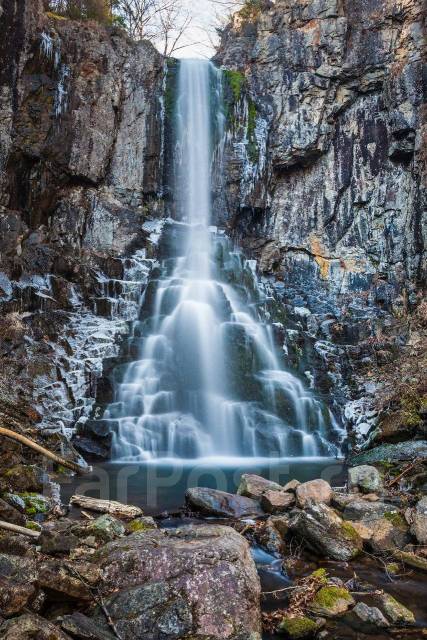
82, 9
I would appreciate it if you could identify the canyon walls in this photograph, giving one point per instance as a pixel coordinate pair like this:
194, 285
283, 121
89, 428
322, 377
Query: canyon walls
324, 182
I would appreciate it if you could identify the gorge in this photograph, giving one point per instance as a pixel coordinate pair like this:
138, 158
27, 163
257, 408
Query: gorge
218, 265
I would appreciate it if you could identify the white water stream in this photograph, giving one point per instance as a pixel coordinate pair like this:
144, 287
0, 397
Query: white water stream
207, 381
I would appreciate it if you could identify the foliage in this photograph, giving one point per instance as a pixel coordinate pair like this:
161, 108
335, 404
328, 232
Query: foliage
251, 9
100, 10
236, 81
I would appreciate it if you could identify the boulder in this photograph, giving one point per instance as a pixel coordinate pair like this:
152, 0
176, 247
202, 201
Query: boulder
29, 627
222, 504
364, 511
365, 478
58, 538
365, 618
291, 486
298, 627
396, 612
276, 501
325, 533
331, 601
313, 491
389, 533
197, 581
419, 521
253, 486
399, 452
15, 595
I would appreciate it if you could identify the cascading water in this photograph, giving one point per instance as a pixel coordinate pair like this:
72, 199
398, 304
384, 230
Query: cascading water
207, 381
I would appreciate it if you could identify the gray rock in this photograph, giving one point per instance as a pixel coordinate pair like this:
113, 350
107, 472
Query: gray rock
30, 626
419, 521
365, 478
366, 511
253, 486
11, 514
196, 581
220, 503
82, 627
400, 452
325, 533
395, 611
369, 617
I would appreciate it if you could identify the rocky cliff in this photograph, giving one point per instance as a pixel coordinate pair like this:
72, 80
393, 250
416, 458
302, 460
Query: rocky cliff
323, 183
81, 119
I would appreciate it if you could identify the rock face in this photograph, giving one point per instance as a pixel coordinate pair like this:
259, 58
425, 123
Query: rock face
81, 171
196, 581
323, 182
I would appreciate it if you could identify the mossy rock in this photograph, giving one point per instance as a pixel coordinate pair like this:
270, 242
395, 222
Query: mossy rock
396, 519
300, 628
35, 503
106, 528
321, 575
141, 525
395, 611
331, 601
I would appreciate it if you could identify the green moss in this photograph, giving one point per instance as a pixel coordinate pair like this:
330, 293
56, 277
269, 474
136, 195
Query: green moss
34, 503
321, 575
298, 628
350, 532
236, 80
392, 568
396, 519
327, 597
250, 10
55, 16
33, 526
137, 525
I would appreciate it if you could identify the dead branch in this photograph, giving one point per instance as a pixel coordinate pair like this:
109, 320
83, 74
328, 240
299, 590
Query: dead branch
28, 442
106, 506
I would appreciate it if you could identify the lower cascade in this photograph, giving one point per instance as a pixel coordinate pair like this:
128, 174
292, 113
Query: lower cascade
208, 380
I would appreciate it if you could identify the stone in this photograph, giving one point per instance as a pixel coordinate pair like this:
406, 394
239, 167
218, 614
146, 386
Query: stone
15, 501
24, 478
365, 478
57, 538
364, 511
368, 617
71, 580
141, 524
11, 514
419, 521
331, 601
315, 491
364, 531
30, 626
18, 583
220, 503
276, 501
82, 627
324, 532
253, 486
291, 486
196, 581
298, 627
395, 611
389, 533
400, 452
341, 500
105, 528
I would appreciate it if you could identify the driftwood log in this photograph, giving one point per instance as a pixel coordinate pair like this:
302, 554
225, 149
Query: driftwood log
78, 468
106, 506
30, 533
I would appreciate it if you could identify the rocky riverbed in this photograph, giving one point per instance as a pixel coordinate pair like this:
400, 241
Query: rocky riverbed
333, 563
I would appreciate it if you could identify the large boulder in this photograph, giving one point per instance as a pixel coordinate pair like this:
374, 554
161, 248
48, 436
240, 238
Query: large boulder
277, 501
325, 533
365, 478
198, 582
313, 491
253, 486
364, 511
222, 504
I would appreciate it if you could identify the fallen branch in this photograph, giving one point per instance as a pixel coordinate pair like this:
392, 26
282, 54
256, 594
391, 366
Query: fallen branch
44, 452
106, 506
406, 470
30, 533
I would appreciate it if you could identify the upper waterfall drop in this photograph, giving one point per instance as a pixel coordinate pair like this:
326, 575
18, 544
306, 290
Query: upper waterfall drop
206, 380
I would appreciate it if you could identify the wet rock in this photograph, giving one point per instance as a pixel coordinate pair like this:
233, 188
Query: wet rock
298, 627
325, 533
220, 503
276, 501
331, 601
419, 521
10, 514
365, 618
30, 626
396, 612
253, 486
400, 452
196, 581
313, 491
270, 537
365, 478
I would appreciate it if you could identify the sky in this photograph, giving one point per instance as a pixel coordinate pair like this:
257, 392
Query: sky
200, 31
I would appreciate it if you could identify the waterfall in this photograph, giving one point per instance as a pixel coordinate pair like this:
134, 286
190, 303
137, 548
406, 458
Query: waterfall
207, 380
